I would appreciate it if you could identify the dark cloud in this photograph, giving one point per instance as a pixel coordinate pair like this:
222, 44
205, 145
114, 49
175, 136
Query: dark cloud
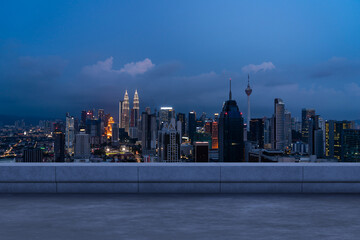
31, 85
335, 67
43, 86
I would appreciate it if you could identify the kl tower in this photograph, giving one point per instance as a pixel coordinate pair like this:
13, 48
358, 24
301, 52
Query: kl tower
248, 92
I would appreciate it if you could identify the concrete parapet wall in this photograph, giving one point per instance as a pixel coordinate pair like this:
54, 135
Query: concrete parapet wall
179, 178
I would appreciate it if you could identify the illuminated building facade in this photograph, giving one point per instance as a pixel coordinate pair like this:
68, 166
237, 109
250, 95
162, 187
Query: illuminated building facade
212, 129
350, 145
126, 113
135, 110
215, 135
333, 131
108, 130
69, 134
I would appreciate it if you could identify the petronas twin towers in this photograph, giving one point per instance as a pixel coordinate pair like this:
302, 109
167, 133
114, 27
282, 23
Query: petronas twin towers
129, 119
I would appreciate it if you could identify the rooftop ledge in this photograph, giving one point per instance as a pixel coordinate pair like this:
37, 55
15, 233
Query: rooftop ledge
179, 178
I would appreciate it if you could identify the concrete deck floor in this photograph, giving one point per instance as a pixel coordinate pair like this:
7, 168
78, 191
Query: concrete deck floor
179, 216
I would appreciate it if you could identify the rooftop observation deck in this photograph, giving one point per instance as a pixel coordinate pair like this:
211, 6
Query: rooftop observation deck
209, 215
179, 216
179, 178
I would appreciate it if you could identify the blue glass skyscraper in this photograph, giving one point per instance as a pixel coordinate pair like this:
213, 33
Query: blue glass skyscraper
231, 132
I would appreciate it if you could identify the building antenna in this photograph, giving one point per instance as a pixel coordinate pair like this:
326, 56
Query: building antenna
230, 91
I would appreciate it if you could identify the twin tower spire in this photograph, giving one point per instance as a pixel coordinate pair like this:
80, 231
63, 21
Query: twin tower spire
129, 119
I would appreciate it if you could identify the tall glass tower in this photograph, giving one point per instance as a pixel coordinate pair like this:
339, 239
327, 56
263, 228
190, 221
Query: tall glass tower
231, 132
126, 113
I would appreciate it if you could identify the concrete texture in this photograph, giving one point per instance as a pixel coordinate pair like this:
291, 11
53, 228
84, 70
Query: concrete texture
340, 172
13, 172
180, 177
27, 188
97, 173
250, 187
163, 187
97, 187
179, 172
261, 173
179, 216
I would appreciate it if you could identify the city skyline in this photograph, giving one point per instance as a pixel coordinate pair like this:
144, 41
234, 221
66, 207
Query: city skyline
179, 119
66, 64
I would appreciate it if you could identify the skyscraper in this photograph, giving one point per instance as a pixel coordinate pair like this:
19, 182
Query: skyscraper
257, 132
267, 132
333, 135
95, 130
59, 146
83, 118
192, 125
306, 114
181, 117
69, 134
126, 113
169, 142
136, 107
315, 138
82, 146
215, 135
109, 127
350, 143
278, 135
115, 133
121, 107
166, 114
287, 128
148, 133
248, 92
231, 127
134, 117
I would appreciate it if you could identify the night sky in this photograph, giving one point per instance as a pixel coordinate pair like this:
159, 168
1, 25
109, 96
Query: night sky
66, 56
